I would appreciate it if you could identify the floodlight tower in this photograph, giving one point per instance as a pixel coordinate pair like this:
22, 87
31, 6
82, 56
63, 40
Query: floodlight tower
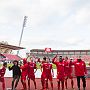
24, 25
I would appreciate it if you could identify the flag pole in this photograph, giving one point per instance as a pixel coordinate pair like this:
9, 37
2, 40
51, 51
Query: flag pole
24, 23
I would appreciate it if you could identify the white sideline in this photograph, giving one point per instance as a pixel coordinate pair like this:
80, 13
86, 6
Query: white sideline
37, 74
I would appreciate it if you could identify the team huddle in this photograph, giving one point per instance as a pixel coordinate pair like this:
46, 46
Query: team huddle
64, 67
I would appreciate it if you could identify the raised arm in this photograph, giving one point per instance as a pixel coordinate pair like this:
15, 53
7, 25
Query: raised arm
54, 60
10, 68
52, 72
35, 68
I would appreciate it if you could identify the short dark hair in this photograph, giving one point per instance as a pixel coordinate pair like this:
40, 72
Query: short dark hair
60, 56
44, 58
15, 61
4, 63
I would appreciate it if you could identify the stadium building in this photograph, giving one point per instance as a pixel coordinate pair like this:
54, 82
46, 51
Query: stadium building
85, 54
6, 52
40, 53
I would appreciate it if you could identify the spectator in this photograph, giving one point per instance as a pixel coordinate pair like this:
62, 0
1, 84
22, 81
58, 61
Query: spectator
80, 72
16, 74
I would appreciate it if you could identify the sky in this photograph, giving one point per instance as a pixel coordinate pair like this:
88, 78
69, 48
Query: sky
56, 24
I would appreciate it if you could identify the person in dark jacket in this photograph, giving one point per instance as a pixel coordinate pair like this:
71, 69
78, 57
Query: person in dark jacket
16, 74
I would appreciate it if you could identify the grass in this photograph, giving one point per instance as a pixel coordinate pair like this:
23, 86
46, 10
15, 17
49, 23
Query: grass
38, 65
54, 66
7, 65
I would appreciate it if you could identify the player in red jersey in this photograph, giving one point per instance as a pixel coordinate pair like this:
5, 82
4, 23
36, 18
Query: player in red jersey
24, 73
42, 75
68, 72
80, 72
2, 73
60, 70
31, 72
47, 73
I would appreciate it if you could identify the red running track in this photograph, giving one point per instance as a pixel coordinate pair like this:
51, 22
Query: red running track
9, 80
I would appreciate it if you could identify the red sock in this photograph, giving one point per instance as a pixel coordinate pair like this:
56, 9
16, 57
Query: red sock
35, 84
29, 84
42, 84
51, 84
59, 85
72, 83
24, 85
62, 85
46, 84
3, 85
66, 83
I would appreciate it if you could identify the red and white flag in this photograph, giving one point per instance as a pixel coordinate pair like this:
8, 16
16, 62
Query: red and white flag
48, 50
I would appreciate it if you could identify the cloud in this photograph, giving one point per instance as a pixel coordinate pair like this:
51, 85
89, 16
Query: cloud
82, 15
42, 43
74, 41
50, 23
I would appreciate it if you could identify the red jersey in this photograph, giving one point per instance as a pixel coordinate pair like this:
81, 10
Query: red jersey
68, 68
47, 67
2, 72
38, 60
24, 69
80, 68
43, 62
60, 67
31, 67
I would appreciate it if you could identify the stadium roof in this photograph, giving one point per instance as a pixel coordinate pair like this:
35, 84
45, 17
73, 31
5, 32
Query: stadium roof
2, 46
10, 57
42, 50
